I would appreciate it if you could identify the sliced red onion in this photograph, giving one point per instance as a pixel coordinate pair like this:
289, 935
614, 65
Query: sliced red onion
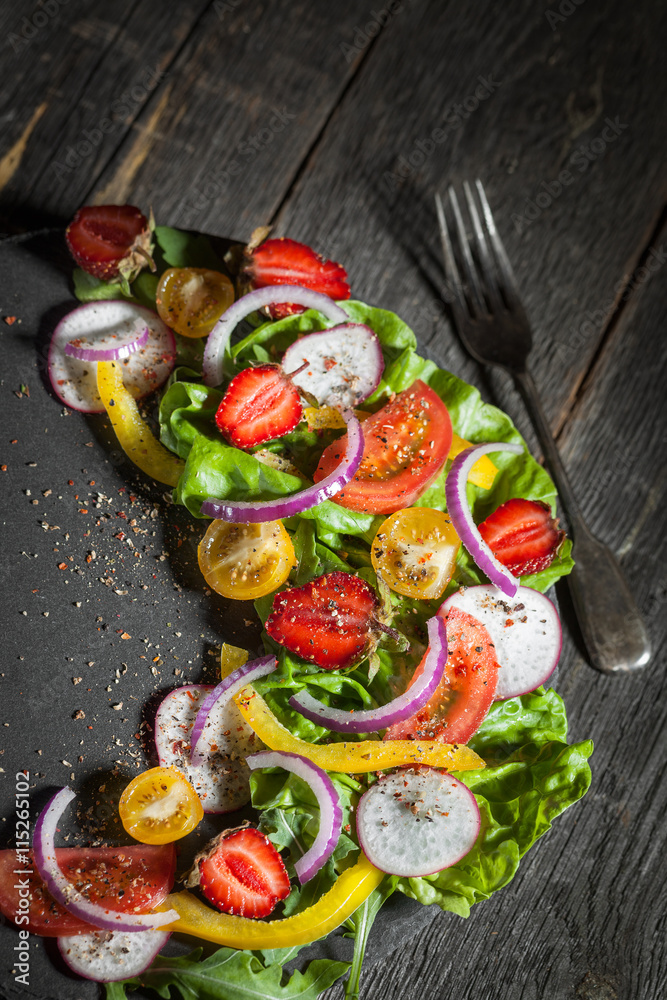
370, 720
223, 693
107, 354
249, 512
65, 893
218, 338
341, 366
461, 515
107, 956
331, 814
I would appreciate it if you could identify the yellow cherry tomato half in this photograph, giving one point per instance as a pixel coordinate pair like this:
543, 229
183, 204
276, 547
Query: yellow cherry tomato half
191, 300
160, 806
415, 551
246, 561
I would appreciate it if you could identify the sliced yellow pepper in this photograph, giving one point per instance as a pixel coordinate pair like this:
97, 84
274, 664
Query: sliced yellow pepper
352, 758
231, 657
322, 418
483, 471
134, 436
349, 892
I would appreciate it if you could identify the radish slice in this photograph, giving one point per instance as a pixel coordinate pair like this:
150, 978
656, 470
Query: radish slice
331, 814
370, 720
247, 511
218, 338
344, 364
103, 354
221, 782
103, 326
461, 515
525, 630
417, 822
107, 956
223, 693
66, 894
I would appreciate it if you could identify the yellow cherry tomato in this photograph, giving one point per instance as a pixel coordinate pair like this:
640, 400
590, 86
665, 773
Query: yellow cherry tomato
191, 300
246, 561
160, 806
415, 552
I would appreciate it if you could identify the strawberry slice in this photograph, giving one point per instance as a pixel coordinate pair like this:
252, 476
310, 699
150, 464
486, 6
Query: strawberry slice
287, 262
329, 621
110, 241
241, 872
523, 535
260, 404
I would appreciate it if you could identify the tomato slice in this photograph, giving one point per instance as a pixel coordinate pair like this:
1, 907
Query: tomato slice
191, 300
461, 701
406, 446
160, 806
415, 552
246, 561
128, 879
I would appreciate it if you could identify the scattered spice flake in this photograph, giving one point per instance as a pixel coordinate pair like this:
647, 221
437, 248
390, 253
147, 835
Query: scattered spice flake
77, 680
79, 714
9, 320
123, 635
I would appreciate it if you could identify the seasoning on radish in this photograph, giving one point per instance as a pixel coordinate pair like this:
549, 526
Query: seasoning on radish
345, 364
108, 956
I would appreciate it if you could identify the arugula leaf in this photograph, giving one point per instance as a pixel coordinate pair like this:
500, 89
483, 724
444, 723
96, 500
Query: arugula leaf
360, 924
88, 288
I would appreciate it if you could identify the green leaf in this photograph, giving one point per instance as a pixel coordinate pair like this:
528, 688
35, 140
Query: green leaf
361, 923
182, 249
88, 288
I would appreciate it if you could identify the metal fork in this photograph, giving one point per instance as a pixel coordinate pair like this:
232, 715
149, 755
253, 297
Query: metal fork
494, 328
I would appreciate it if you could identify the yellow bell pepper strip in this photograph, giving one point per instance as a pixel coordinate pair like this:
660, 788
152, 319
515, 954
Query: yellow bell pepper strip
322, 418
353, 758
347, 894
134, 436
483, 471
231, 657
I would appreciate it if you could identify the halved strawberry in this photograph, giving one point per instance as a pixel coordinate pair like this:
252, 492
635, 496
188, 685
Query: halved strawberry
523, 535
286, 262
241, 872
260, 404
111, 241
329, 621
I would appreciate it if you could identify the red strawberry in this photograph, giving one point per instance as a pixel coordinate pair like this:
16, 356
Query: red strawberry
329, 621
523, 535
286, 262
243, 873
260, 404
110, 241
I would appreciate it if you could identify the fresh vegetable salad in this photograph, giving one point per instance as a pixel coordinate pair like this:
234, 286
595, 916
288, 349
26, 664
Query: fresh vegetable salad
397, 540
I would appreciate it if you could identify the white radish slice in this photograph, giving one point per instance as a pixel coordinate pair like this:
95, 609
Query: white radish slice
222, 781
107, 956
525, 630
417, 822
345, 364
106, 325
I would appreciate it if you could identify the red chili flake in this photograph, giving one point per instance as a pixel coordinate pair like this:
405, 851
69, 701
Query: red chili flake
3, 468
84, 510
14, 441
508, 622
62, 565
9, 320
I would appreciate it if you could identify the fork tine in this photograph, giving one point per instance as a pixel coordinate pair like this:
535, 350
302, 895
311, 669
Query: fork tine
491, 290
506, 270
475, 290
456, 297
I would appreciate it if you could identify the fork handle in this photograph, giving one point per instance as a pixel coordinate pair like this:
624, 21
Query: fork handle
610, 621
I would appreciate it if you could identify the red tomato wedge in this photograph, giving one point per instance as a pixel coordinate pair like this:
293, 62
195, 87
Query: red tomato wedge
465, 694
406, 445
128, 879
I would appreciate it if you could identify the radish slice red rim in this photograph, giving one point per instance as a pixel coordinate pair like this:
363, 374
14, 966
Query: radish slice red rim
525, 630
222, 693
74, 350
107, 956
417, 822
218, 338
103, 326
370, 720
247, 511
462, 519
342, 365
331, 814
66, 894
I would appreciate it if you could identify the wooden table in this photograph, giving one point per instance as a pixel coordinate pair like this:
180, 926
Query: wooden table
336, 123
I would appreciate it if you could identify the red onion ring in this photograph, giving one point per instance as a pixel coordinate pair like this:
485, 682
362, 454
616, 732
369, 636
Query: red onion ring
331, 814
65, 893
225, 691
218, 338
370, 720
107, 354
461, 515
252, 512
